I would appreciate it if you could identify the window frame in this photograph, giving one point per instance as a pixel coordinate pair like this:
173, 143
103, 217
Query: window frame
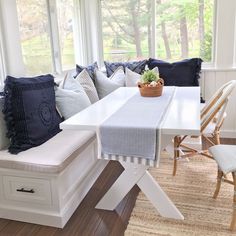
2, 59
54, 36
51, 8
223, 51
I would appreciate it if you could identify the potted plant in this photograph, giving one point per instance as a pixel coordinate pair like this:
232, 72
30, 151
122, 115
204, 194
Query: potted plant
150, 84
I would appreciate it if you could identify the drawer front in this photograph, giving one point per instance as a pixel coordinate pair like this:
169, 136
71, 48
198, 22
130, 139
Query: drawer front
27, 190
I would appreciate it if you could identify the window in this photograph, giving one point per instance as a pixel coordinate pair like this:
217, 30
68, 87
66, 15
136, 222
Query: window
46, 38
35, 38
65, 23
182, 29
126, 29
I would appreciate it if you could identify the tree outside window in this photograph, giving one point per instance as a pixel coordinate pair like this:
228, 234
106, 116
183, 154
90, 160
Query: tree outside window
183, 29
126, 29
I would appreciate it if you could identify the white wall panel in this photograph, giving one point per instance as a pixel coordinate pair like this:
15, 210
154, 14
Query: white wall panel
212, 80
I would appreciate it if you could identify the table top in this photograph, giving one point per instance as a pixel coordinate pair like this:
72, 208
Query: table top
182, 117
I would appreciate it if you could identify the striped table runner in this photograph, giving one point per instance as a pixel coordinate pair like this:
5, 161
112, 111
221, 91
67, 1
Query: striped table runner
133, 133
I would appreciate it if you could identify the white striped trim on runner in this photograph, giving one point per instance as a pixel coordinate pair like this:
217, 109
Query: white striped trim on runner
135, 160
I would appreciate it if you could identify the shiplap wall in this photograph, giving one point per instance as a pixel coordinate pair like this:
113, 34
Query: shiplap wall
210, 81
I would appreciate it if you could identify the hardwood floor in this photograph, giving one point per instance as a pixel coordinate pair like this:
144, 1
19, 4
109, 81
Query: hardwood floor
87, 220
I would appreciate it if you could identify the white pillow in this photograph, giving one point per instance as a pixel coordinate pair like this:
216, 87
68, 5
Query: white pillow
69, 102
132, 78
106, 85
70, 83
118, 76
85, 80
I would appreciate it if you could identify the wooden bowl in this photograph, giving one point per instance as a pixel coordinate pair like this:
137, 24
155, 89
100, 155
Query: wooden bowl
156, 91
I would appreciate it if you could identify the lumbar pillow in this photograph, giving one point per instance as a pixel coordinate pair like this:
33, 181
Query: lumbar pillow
106, 85
132, 78
182, 73
136, 66
69, 102
84, 79
90, 69
4, 141
30, 111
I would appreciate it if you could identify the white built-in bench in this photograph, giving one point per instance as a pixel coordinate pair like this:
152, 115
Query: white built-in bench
45, 184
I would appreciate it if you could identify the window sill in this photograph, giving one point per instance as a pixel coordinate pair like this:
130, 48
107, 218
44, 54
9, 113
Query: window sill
215, 69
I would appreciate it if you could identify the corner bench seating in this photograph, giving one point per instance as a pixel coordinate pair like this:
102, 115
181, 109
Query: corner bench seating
45, 184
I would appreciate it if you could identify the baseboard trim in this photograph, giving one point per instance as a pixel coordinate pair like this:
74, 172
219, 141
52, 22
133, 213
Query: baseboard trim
228, 134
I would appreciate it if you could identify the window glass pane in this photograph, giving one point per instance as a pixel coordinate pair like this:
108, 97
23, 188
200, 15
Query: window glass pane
184, 29
65, 23
126, 29
35, 40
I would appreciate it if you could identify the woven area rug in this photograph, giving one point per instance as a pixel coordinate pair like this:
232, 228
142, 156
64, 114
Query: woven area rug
191, 190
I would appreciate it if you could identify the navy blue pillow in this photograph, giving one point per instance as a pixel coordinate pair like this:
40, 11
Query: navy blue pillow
90, 69
182, 73
30, 111
136, 66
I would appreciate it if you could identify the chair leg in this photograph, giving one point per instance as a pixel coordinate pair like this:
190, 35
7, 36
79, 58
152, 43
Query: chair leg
176, 153
217, 137
219, 179
233, 221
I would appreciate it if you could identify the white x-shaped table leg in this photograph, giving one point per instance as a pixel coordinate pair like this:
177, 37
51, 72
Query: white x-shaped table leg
138, 174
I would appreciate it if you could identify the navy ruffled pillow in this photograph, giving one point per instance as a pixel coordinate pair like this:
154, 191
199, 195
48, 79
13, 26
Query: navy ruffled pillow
90, 69
136, 66
30, 111
182, 73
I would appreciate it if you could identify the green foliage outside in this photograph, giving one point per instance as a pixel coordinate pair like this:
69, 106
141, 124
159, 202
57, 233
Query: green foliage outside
37, 54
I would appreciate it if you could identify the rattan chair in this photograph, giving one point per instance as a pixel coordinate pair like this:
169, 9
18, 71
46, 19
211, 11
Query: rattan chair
212, 118
225, 156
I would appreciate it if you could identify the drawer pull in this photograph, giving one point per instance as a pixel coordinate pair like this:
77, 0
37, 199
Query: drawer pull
25, 190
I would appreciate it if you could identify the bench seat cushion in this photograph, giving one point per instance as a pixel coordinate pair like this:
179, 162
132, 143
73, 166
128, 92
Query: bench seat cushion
52, 156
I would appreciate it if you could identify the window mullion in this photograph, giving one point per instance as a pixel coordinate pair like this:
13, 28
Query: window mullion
153, 34
99, 33
54, 36
2, 59
77, 34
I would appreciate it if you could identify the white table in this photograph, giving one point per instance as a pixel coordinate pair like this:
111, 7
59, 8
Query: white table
182, 118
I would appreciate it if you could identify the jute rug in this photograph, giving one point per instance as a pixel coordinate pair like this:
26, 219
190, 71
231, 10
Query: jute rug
191, 190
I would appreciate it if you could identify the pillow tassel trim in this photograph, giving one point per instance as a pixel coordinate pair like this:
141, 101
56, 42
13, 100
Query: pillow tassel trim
7, 110
198, 69
17, 146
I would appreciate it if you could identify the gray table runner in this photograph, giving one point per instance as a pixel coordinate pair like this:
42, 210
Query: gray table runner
133, 132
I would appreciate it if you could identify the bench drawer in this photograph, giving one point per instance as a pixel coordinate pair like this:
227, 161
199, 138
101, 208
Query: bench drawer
30, 190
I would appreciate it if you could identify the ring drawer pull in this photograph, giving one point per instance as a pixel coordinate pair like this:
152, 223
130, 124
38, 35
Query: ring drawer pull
25, 190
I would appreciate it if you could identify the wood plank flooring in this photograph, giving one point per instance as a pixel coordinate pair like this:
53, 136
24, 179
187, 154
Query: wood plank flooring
87, 220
